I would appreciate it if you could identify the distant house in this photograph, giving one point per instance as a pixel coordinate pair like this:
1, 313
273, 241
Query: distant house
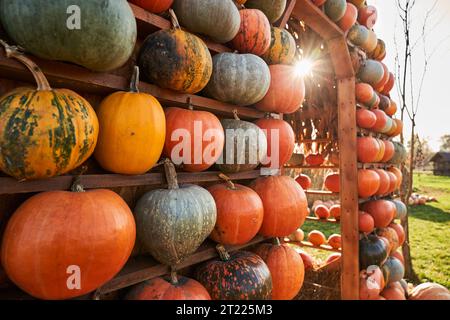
441, 164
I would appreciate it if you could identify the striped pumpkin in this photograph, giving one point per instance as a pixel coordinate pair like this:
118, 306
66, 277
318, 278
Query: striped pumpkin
44, 132
273, 9
254, 33
380, 51
282, 47
175, 59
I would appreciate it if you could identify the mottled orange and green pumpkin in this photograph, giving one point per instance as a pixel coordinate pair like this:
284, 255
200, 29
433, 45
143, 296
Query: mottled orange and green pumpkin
175, 59
44, 132
282, 47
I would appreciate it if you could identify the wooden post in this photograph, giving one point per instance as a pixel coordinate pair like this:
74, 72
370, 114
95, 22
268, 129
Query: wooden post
348, 189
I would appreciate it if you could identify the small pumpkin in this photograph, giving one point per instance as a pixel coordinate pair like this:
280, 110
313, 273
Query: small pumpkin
368, 183
382, 211
394, 268
358, 3
335, 212
429, 291
273, 9
393, 293
44, 132
380, 51
358, 35
364, 93
367, 16
397, 254
314, 159
384, 182
308, 261
286, 268
400, 153
175, 288
240, 213
282, 47
335, 9
365, 222
372, 251
240, 275
392, 182
391, 110
285, 205
254, 33
317, 238
298, 235
368, 148
371, 42
304, 181
398, 173
332, 182
382, 120
389, 151
335, 241
389, 85
175, 59
401, 209
155, 6
365, 119
132, 131
400, 232
322, 212
371, 72
349, 18
172, 223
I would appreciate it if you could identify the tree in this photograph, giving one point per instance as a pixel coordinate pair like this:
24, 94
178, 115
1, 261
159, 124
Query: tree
445, 142
422, 153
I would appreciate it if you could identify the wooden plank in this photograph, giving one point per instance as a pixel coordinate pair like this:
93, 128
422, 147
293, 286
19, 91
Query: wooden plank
321, 193
340, 57
311, 167
310, 245
143, 269
315, 19
349, 189
315, 219
374, 165
94, 181
281, 23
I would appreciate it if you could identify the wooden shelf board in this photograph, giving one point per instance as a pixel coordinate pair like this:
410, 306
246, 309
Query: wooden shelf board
310, 167
315, 219
365, 132
386, 197
144, 268
92, 181
310, 245
374, 165
321, 192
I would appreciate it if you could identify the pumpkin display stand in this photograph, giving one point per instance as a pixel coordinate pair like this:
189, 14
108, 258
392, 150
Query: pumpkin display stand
94, 86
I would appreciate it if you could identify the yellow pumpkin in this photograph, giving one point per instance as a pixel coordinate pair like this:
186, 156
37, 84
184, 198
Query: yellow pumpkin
132, 131
44, 132
282, 47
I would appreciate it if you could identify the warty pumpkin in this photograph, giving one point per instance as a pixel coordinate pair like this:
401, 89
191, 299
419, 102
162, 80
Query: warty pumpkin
204, 139
132, 131
44, 132
241, 79
155, 6
218, 19
273, 9
103, 41
173, 288
280, 141
175, 59
240, 213
240, 275
283, 96
56, 236
172, 223
286, 268
254, 33
284, 202
282, 47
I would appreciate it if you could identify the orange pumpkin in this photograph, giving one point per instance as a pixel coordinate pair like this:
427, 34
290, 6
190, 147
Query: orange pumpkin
398, 174
380, 51
60, 244
254, 34
399, 128
365, 119
283, 96
197, 125
381, 120
380, 155
155, 6
370, 283
317, 238
389, 85
314, 159
277, 157
367, 16
334, 241
334, 257
286, 268
368, 183
393, 182
332, 182
368, 149
365, 222
304, 181
400, 232
349, 18
389, 151
380, 85
397, 254
308, 261
382, 212
364, 93
391, 109
392, 237
393, 293
284, 202
384, 182
335, 211
322, 212
240, 213
176, 288
319, 2
430, 291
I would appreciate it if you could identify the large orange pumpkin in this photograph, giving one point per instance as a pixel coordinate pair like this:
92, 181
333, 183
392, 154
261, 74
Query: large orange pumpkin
384, 182
332, 182
382, 212
286, 267
285, 205
398, 173
284, 96
240, 213
389, 151
199, 132
368, 149
365, 119
368, 183
155, 6
175, 288
365, 94
254, 34
280, 141
60, 244
382, 120
365, 222
132, 131
393, 182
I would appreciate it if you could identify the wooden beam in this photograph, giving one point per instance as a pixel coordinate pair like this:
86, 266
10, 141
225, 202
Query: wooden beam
340, 57
310, 245
349, 189
321, 192
281, 23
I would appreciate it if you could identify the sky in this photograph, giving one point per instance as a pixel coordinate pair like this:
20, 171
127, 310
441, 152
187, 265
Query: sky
433, 118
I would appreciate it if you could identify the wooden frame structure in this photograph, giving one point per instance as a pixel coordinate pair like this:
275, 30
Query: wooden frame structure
77, 78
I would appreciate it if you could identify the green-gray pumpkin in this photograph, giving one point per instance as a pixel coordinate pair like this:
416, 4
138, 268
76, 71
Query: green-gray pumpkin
172, 223
245, 146
241, 79
400, 153
218, 19
273, 9
104, 41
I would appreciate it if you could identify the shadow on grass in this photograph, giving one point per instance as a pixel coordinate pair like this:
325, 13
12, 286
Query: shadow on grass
429, 213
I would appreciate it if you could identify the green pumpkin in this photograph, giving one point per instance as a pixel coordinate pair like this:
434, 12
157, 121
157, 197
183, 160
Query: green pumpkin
335, 9
273, 9
104, 41
400, 153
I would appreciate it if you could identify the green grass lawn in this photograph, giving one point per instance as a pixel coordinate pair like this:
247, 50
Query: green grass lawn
429, 231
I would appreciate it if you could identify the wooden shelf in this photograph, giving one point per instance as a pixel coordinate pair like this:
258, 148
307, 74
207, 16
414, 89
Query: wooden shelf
310, 245
92, 181
310, 167
315, 219
321, 193
144, 268
374, 165
386, 197
369, 133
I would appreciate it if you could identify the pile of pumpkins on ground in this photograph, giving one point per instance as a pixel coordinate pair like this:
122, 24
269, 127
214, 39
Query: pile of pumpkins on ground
420, 200
47, 132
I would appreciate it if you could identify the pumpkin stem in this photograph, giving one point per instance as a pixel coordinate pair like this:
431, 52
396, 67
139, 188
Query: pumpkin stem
223, 254
276, 241
174, 19
267, 115
134, 84
17, 53
190, 106
228, 181
171, 174
76, 184
173, 276
235, 114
